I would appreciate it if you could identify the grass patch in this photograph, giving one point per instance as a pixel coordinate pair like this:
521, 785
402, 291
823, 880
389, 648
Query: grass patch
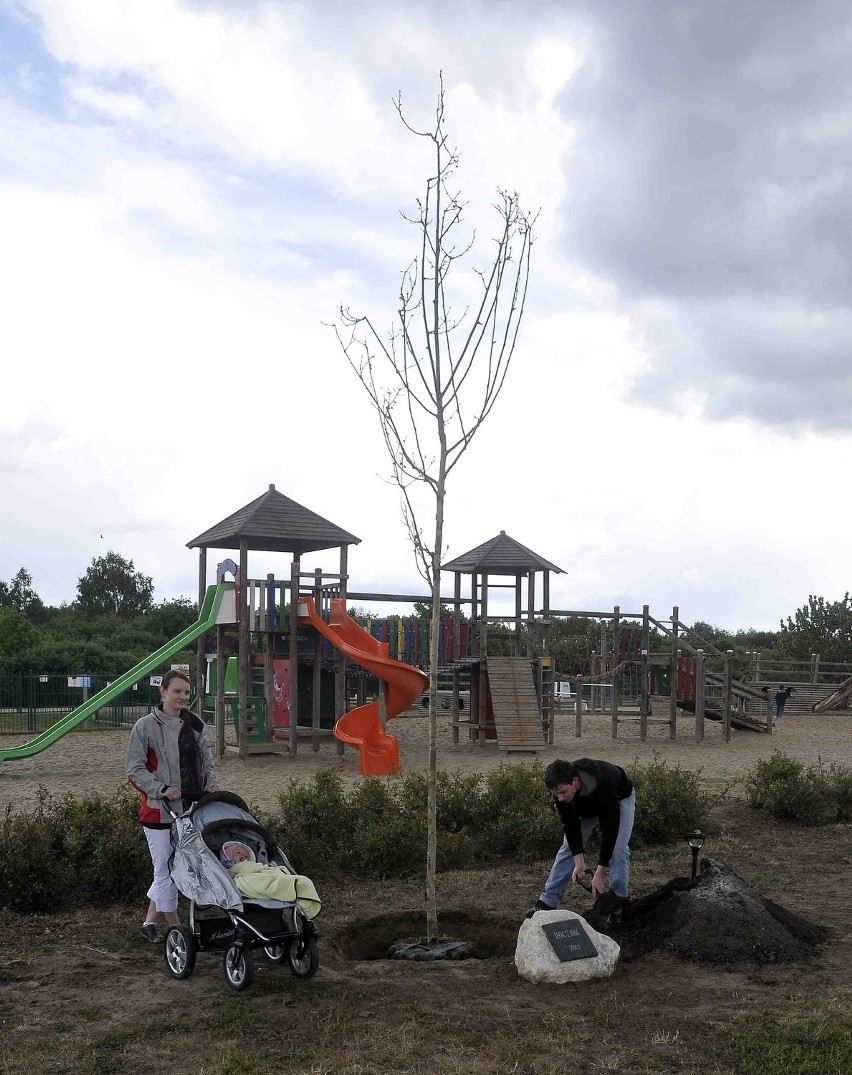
813, 1046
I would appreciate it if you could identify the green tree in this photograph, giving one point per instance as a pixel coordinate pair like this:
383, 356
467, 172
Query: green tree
111, 585
169, 618
17, 636
424, 611
19, 594
820, 626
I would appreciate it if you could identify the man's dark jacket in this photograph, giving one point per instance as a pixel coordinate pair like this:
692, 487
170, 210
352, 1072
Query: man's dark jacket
613, 785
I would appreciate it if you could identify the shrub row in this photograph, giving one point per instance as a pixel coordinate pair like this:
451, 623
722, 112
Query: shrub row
73, 851
790, 791
379, 827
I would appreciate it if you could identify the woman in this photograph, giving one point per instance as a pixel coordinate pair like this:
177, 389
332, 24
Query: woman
168, 758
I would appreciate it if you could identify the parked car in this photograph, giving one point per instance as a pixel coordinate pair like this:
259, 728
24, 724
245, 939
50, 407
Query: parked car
445, 696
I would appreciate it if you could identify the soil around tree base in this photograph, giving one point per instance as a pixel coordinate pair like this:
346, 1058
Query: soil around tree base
718, 918
486, 936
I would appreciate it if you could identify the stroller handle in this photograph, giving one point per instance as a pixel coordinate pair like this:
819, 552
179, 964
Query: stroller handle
181, 810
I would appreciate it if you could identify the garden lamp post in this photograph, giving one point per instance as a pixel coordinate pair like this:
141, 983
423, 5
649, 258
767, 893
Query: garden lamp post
695, 841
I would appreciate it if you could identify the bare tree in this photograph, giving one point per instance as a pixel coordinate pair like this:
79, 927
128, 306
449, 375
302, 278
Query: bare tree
434, 378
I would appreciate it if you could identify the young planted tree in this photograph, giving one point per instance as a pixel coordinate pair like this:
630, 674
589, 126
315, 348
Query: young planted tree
434, 378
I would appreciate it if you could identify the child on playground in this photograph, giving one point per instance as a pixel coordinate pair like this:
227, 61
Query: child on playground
257, 881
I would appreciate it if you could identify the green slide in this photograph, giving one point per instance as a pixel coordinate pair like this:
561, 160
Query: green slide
212, 612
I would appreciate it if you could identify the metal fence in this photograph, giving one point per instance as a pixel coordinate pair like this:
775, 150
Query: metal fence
31, 703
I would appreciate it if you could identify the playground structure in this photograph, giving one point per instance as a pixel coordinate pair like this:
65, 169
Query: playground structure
285, 662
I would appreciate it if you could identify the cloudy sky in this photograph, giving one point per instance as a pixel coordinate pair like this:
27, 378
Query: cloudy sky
190, 188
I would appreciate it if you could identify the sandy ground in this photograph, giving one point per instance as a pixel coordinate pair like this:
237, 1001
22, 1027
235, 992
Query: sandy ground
90, 761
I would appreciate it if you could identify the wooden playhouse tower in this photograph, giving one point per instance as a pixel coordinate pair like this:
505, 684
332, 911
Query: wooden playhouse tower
511, 696
268, 615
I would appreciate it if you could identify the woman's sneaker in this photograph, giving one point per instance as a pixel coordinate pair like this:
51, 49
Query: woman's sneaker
150, 932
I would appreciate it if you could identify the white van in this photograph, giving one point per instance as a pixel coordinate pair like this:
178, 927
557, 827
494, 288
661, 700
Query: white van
563, 695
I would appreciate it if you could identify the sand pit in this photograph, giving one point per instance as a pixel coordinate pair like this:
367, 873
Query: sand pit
89, 761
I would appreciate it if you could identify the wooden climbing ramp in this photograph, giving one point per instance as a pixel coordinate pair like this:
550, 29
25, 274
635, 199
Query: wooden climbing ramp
517, 717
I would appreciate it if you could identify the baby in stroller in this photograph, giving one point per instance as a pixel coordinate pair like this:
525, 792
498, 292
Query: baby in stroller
257, 881
273, 915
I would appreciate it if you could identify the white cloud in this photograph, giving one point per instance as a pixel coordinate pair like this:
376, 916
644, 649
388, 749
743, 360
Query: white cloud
212, 179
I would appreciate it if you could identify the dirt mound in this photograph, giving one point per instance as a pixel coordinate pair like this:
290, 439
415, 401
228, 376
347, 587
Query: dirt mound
717, 918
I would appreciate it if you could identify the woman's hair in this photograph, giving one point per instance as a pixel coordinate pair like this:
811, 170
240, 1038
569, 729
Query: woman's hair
172, 675
559, 772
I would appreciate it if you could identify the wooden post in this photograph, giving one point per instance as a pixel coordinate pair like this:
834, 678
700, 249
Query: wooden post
530, 614
341, 662
474, 615
457, 616
221, 716
815, 666
476, 677
200, 662
729, 690
578, 707
457, 655
295, 567
644, 667
616, 645
269, 655
316, 681
518, 637
483, 694
244, 649
602, 669
700, 691
673, 677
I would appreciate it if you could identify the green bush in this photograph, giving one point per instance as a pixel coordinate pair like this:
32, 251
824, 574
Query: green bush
70, 851
315, 822
522, 823
669, 802
789, 791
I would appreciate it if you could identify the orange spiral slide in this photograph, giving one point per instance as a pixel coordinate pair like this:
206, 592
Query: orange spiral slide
362, 727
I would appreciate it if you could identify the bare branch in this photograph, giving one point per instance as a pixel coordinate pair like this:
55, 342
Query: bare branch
437, 375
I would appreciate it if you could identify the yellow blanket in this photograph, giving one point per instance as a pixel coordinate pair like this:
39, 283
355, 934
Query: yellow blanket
261, 882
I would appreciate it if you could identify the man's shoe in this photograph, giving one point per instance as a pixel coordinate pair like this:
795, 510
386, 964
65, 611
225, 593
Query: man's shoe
150, 932
538, 906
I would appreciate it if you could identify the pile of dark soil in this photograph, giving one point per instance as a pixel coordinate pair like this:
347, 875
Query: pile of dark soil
717, 918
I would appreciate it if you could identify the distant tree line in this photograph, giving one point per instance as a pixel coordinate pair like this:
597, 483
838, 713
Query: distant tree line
111, 625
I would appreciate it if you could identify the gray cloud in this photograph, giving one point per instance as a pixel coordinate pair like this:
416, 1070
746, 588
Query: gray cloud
712, 182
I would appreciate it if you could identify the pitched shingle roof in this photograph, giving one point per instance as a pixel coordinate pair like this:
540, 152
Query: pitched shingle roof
274, 523
501, 555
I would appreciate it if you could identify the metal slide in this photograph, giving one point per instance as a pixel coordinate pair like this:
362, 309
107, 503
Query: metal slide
219, 607
362, 727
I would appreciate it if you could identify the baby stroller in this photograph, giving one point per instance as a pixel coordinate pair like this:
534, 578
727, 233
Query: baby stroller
281, 930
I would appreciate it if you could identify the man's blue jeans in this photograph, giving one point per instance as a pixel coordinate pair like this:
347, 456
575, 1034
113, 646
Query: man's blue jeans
619, 869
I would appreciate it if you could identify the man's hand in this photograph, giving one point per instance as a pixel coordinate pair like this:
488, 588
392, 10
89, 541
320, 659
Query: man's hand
215, 787
579, 873
599, 881
171, 793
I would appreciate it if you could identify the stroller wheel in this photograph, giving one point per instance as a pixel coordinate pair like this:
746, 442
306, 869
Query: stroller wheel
239, 967
303, 956
274, 953
180, 950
